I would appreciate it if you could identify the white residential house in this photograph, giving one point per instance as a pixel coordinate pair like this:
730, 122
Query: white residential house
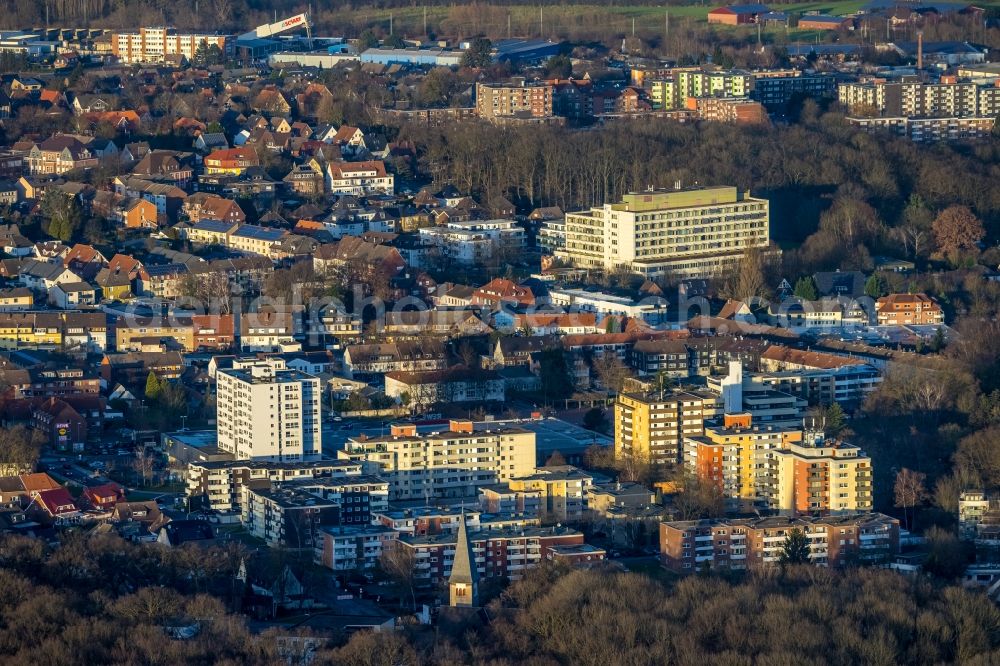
42, 275
359, 178
73, 295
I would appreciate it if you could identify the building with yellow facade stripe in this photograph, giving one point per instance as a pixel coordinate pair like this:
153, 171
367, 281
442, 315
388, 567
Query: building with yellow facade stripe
35, 330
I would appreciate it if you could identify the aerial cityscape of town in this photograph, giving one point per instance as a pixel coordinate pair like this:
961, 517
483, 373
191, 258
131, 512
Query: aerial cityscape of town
499, 333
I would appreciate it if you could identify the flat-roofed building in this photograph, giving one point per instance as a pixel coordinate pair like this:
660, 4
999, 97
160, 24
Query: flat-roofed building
158, 44
354, 547
650, 428
286, 517
813, 475
451, 463
496, 553
755, 543
524, 100
265, 410
562, 490
218, 484
694, 232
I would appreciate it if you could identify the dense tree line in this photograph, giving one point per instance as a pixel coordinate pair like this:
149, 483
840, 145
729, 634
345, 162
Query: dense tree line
101, 600
862, 193
799, 615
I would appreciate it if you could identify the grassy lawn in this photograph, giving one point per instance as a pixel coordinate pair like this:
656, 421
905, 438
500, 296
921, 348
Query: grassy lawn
524, 19
652, 569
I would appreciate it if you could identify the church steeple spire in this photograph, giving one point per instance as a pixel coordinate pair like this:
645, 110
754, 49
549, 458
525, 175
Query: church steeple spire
463, 583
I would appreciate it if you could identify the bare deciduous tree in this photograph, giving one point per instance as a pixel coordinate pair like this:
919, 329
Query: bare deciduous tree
611, 372
399, 563
143, 464
909, 491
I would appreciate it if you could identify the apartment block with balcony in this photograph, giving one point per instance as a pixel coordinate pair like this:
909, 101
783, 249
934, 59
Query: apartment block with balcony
672, 92
497, 553
359, 178
354, 547
160, 43
815, 475
218, 485
908, 309
729, 456
924, 111
748, 544
975, 509
447, 464
518, 100
650, 428
437, 519
359, 497
476, 242
287, 517
265, 410
562, 491
694, 232
777, 89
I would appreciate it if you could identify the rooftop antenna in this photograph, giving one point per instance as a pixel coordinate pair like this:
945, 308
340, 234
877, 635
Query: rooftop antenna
390, 23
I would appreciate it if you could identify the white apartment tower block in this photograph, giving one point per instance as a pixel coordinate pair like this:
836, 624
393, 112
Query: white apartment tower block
267, 411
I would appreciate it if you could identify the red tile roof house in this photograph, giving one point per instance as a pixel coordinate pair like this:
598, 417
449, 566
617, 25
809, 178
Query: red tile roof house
104, 497
56, 505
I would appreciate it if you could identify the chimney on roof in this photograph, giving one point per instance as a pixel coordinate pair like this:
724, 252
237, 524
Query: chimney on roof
920, 49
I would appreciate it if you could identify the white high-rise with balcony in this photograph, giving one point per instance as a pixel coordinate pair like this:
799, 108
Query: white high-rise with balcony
265, 410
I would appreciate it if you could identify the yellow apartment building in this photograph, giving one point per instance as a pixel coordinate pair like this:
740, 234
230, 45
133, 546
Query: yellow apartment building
651, 427
32, 329
562, 490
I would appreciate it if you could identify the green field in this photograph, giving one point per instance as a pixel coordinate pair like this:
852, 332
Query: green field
564, 21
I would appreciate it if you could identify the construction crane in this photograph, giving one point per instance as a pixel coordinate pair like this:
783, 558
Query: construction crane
271, 29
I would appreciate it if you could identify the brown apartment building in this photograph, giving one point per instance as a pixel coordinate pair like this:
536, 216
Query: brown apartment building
753, 543
497, 553
903, 309
729, 110
523, 100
